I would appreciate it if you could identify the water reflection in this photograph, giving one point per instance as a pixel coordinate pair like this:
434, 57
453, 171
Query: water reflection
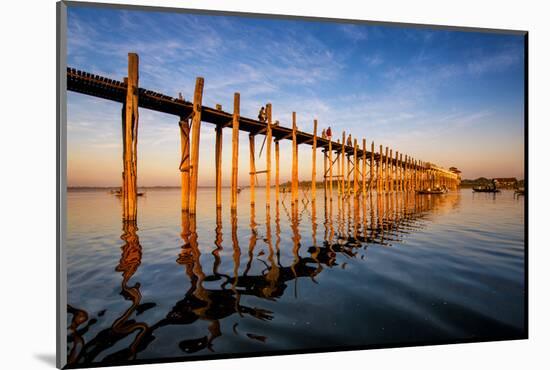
356, 224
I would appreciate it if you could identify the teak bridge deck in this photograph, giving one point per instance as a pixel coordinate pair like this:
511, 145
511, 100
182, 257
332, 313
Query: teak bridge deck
386, 171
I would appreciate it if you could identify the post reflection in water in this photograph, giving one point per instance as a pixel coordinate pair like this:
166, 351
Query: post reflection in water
123, 326
248, 293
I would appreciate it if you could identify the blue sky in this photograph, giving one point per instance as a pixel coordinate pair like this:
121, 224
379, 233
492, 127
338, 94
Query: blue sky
449, 97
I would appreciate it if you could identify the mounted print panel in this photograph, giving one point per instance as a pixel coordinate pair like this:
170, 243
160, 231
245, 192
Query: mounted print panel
242, 185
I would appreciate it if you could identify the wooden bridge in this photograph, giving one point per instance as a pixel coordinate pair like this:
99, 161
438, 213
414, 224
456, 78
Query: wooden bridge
355, 169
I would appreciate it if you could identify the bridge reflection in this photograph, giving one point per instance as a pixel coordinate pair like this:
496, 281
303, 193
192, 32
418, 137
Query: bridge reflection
351, 226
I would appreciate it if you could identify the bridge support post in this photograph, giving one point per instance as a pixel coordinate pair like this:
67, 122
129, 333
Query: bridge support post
277, 172
251, 143
371, 181
235, 151
129, 137
338, 172
343, 169
415, 174
407, 160
184, 164
330, 166
400, 173
268, 157
355, 169
294, 161
348, 175
313, 162
379, 172
219, 133
390, 171
364, 168
386, 174
195, 140
395, 171
325, 182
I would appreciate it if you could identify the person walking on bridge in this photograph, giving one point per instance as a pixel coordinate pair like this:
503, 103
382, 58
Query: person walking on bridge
329, 133
261, 115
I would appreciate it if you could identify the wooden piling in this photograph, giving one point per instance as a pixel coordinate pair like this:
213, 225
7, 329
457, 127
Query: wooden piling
277, 172
129, 137
401, 172
252, 159
330, 165
294, 187
268, 140
364, 168
390, 171
386, 174
348, 175
343, 159
338, 172
313, 162
379, 172
218, 157
396, 172
325, 169
195, 140
402, 168
235, 151
371, 180
355, 169
184, 164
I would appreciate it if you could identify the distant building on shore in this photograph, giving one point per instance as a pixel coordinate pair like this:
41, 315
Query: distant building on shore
506, 182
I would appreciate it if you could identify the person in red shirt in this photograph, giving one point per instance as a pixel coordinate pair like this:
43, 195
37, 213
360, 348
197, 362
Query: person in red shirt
329, 133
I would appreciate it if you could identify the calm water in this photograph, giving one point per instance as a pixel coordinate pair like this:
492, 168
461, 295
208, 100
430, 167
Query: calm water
393, 269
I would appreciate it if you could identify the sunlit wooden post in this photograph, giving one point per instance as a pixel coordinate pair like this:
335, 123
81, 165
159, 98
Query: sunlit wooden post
379, 172
252, 159
355, 169
343, 159
401, 188
184, 164
268, 140
218, 156
415, 174
325, 169
330, 167
409, 177
129, 137
313, 162
405, 174
277, 171
195, 140
390, 171
364, 168
395, 172
294, 161
338, 172
371, 181
235, 150
386, 177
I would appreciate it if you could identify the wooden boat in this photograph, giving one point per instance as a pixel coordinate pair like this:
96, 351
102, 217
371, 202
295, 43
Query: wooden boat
485, 189
432, 191
118, 193
519, 192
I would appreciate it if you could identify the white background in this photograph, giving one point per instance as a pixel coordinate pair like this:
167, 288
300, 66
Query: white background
27, 185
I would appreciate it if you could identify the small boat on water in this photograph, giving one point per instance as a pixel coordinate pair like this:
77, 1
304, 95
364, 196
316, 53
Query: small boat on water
485, 189
432, 191
118, 193
519, 191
